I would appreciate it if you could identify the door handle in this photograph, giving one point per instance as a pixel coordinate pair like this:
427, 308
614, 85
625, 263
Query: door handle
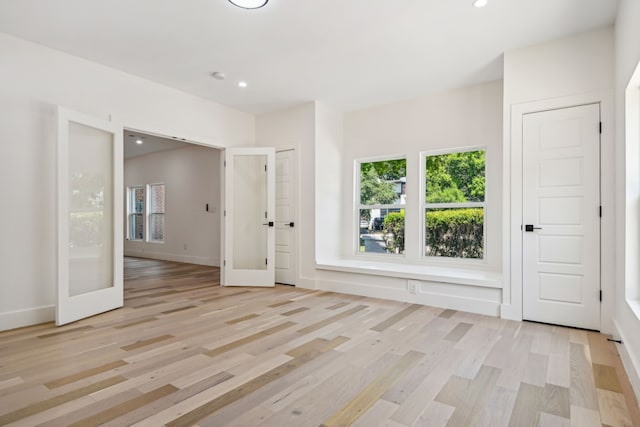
290, 224
530, 228
270, 223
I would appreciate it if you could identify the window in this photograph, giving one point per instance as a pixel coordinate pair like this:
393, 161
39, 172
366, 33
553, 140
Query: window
382, 198
156, 212
454, 204
135, 213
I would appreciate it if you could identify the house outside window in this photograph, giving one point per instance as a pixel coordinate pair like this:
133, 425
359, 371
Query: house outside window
135, 216
454, 204
382, 200
156, 216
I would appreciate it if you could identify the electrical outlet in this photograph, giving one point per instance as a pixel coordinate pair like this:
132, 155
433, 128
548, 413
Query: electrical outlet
412, 287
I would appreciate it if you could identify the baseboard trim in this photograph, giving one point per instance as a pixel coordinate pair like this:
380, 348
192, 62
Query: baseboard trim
630, 360
212, 262
305, 283
27, 317
423, 297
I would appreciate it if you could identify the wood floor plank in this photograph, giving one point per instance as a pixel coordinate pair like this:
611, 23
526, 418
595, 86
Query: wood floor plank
295, 311
311, 352
330, 320
613, 408
128, 406
349, 413
58, 400
606, 378
583, 389
242, 319
458, 332
248, 339
147, 342
395, 318
526, 411
85, 374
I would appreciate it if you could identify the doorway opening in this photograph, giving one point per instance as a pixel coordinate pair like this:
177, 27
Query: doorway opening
172, 204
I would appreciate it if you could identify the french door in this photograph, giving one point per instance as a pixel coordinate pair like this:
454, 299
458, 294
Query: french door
249, 217
90, 215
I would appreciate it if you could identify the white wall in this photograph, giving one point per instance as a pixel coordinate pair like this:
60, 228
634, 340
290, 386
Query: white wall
33, 80
295, 128
465, 117
565, 72
627, 323
192, 179
330, 225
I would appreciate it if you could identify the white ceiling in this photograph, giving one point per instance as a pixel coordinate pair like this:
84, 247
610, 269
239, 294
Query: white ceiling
150, 144
348, 53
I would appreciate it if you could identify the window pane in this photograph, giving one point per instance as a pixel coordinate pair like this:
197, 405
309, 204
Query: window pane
455, 177
156, 227
156, 203
381, 231
136, 224
137, 200
383, 183
455, 232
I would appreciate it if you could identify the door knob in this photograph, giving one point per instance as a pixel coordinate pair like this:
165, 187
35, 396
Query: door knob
270, 223
530, 228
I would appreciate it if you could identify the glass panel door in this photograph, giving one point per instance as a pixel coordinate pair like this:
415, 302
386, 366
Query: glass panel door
89, 217
249, 221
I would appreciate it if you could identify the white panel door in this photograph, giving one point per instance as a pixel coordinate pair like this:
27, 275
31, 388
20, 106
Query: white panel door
249, 223
89, 219
285, 217
561, 216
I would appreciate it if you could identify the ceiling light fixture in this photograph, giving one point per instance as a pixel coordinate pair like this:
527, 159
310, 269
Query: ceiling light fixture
242, 84
139, 141
249, 4
480, 3
218, 75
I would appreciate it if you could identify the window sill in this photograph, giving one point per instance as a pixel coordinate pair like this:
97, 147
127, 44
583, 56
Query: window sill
634, 305
461, 276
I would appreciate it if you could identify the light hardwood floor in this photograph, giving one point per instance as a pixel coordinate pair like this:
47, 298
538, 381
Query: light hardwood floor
185, 351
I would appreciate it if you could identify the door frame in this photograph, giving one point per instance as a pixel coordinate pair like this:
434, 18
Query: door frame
511, 307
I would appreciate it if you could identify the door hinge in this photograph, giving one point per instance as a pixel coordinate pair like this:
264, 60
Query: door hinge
266, 261
224, 262
225, 212
225, 163
600, 296
600, 128
600, 211
265, 168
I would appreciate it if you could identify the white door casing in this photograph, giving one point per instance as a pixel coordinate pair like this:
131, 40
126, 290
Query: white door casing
285, 217
561, 201
249, 223
89, 216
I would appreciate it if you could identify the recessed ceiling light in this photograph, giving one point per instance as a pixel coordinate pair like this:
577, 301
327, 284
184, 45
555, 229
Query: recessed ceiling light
249, 4
480, 3
242, 84
139, 141
218, 75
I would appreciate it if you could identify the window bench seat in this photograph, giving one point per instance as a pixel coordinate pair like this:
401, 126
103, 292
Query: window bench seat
442, 274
